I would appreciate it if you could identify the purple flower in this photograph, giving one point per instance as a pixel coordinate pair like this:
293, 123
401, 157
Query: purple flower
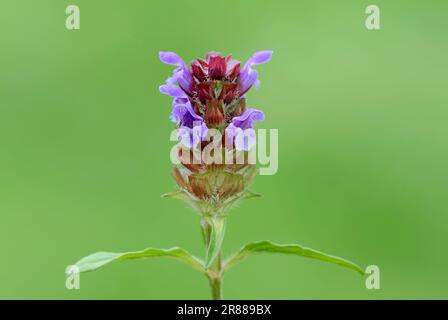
242, 131
191, 137
192, 128
248, 76
181, 75
172, 90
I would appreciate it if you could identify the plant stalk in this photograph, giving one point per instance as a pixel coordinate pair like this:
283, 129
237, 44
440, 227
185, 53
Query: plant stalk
215, 278
215, 271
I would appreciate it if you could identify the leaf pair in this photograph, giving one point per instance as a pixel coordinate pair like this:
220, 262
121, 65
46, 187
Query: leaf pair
100, 259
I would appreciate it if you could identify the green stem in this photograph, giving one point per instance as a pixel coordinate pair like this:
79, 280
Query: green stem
216, 286
215, 271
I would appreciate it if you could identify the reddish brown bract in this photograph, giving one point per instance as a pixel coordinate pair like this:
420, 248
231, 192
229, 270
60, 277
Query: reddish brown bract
215, 88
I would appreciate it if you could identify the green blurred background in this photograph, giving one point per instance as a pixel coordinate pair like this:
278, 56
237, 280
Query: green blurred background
362, 118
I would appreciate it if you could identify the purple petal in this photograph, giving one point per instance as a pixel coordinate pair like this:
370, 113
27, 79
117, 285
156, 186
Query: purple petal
185, 81
248, 76
179, 111
185, 136
191, 137
181, 75
171, 58
241, 129
204, 131
183, 113
231, 132
259, 57
172, 90
245, 120
190, 118
177, 74
247, 80
244, 139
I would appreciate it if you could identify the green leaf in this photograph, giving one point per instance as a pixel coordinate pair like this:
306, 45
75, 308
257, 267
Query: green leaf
295, 249
217, 225
100, 259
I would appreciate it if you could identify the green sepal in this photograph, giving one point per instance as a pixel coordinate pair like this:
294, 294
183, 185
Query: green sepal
196, 205
232, 202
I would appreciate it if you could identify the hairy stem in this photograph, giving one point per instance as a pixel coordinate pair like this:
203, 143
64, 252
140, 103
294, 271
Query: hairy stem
215, 277
215, 271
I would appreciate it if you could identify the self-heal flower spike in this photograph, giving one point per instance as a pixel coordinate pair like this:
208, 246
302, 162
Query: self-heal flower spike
211, 95
213, 91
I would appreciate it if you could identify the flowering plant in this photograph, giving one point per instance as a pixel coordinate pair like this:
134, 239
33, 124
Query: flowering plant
209, 102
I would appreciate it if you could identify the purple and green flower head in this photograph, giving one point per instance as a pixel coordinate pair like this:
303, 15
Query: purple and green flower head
211, 94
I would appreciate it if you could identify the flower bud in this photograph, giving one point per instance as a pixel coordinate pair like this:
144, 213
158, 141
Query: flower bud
217, 67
